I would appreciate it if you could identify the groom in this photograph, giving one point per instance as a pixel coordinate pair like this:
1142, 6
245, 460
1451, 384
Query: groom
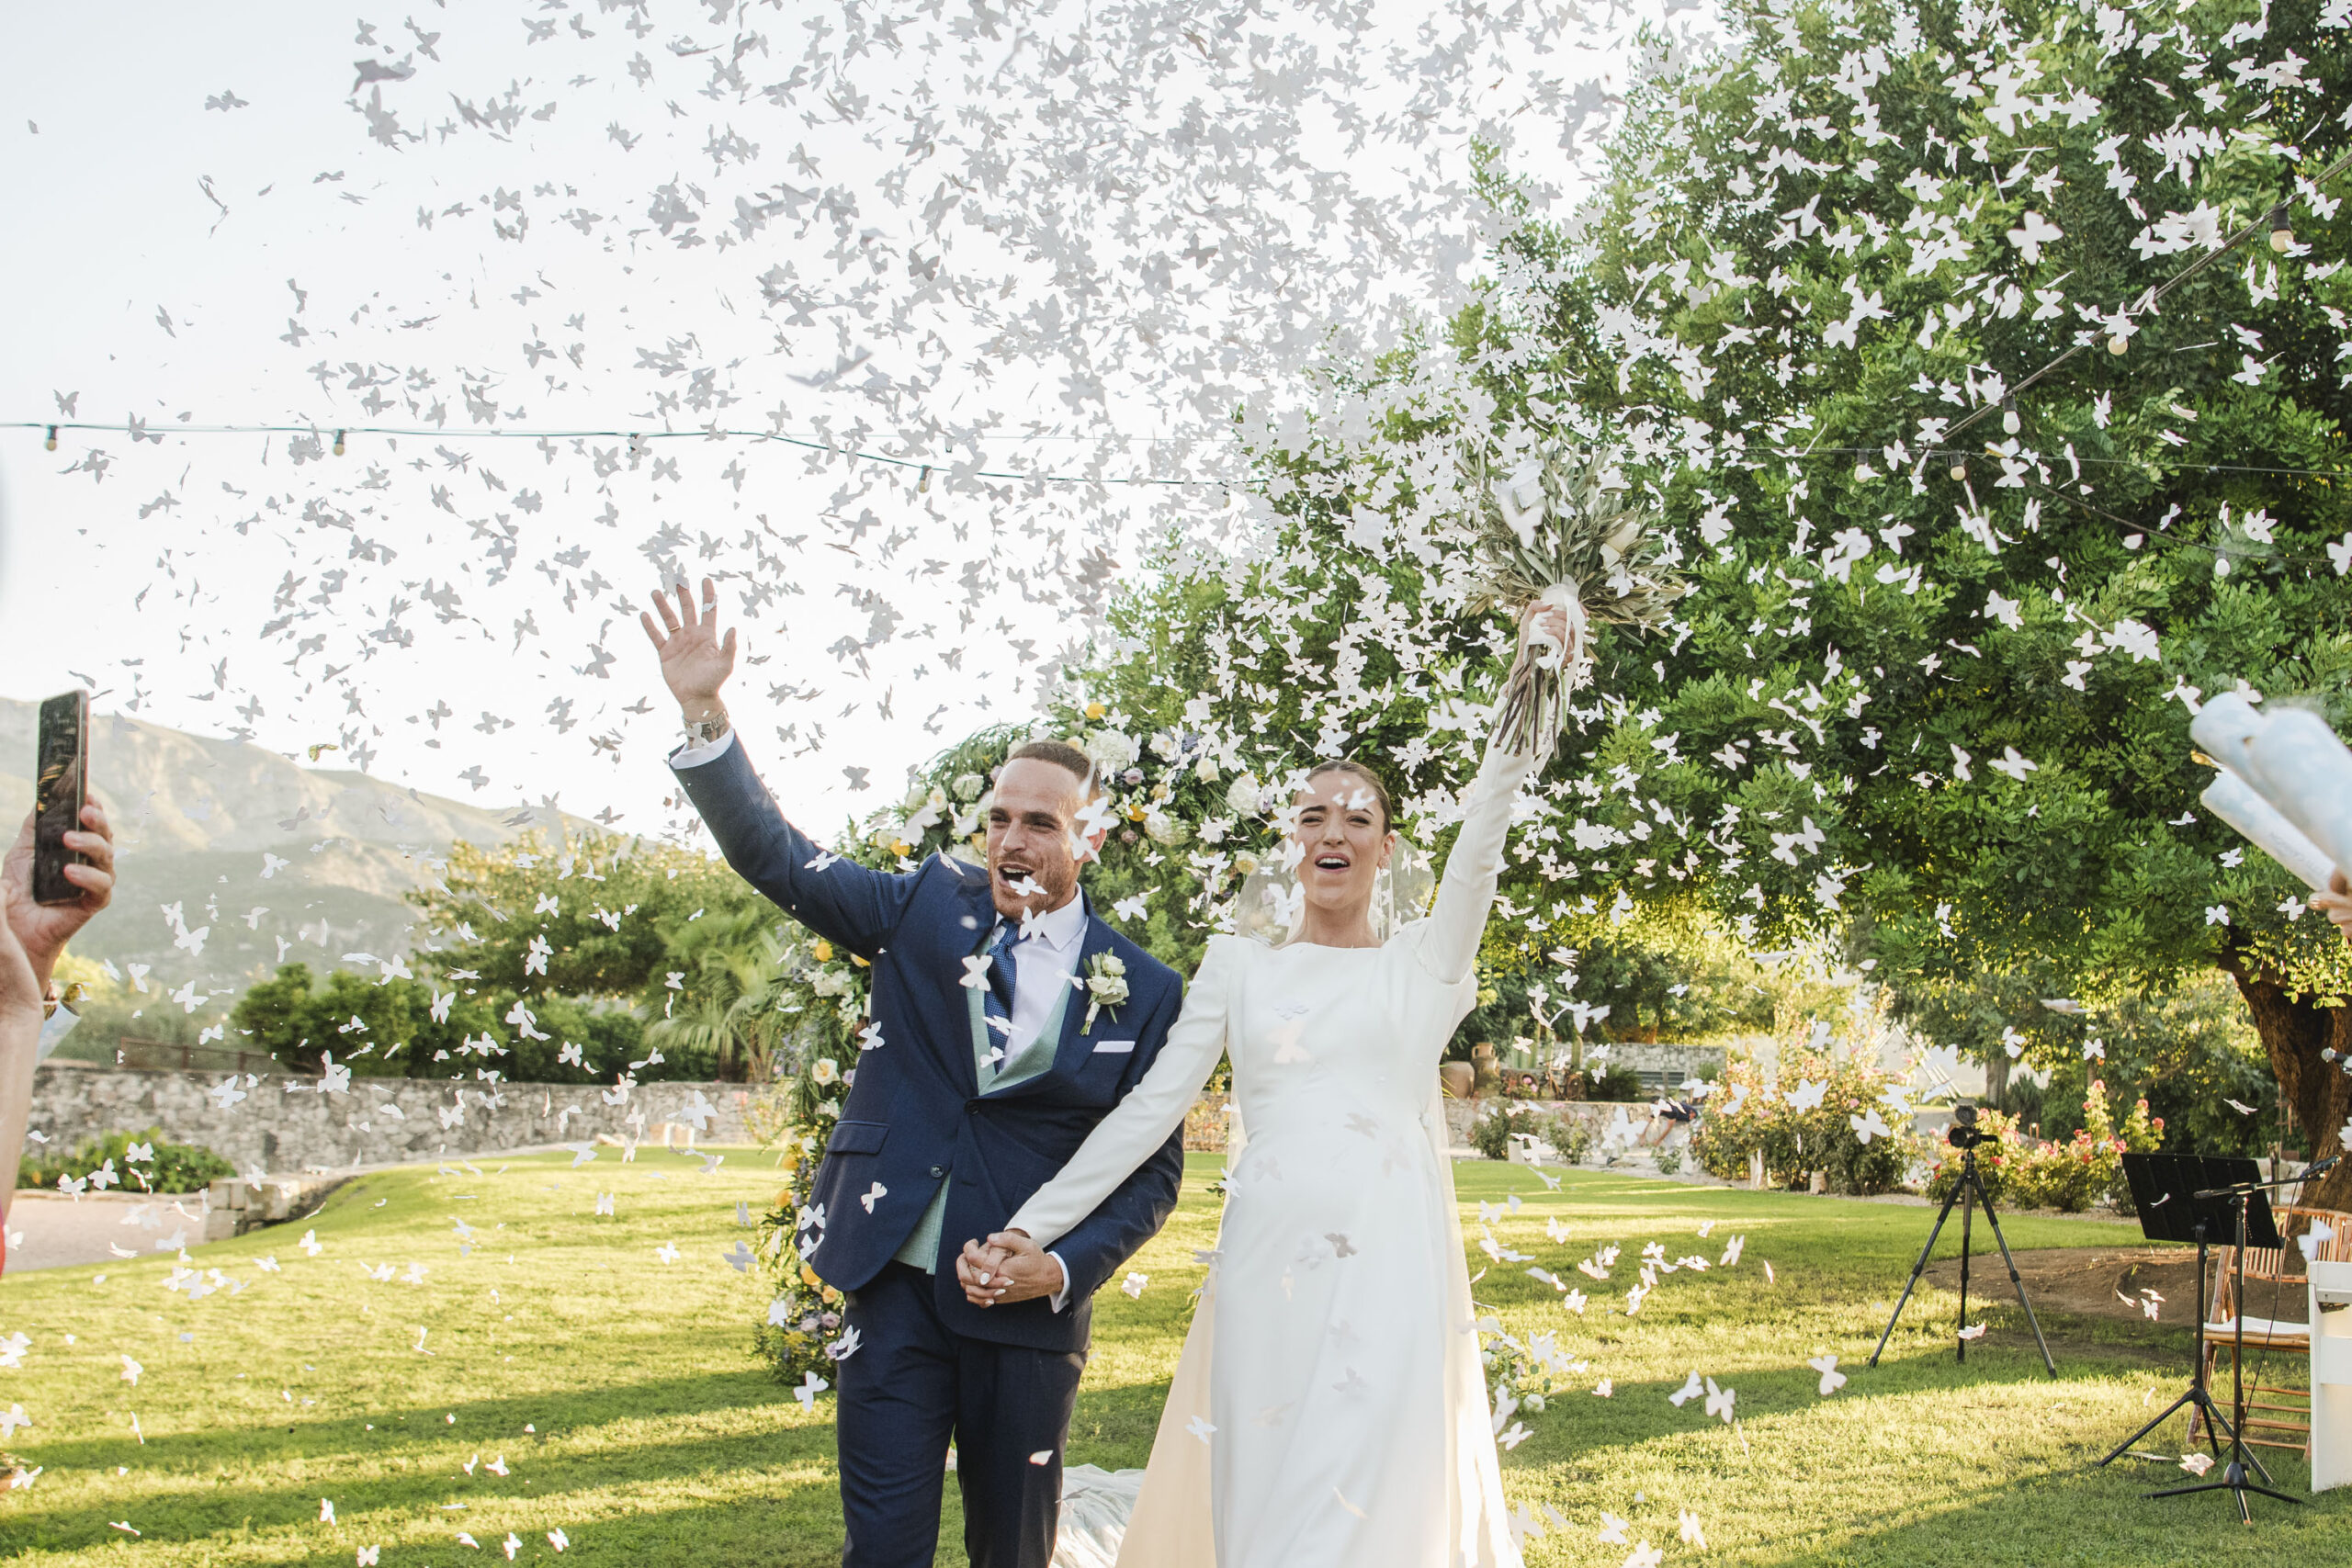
988, 1067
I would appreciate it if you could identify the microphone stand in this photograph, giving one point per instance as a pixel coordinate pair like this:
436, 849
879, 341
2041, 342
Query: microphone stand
2233, 1475
2198, 1395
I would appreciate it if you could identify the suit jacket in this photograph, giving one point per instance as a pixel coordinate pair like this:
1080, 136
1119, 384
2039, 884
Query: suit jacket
913, 1116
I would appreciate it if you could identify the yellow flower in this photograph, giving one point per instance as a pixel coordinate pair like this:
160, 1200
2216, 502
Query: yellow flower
1094, 710
790, 1161
861, 962
900, 846
784, 1198
822, 950
1135, 813
809, 1276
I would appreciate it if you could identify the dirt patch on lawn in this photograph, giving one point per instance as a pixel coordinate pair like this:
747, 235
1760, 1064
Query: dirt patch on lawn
2091, 1282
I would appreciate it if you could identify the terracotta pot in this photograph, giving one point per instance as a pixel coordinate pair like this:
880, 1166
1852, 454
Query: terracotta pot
1459, 1078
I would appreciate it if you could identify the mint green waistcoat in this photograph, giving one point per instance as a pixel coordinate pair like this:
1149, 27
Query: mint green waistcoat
922, 1249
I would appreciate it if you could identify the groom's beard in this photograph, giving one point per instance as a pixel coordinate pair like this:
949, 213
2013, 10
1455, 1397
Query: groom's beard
1058, 881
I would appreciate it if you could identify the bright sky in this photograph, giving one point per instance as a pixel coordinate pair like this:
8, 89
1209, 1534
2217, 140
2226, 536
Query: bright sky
202, 190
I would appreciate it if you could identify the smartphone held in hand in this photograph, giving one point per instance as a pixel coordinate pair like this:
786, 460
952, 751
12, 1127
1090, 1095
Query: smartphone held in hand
63, 785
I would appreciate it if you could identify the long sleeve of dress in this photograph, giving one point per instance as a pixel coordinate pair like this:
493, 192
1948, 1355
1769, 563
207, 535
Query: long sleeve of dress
1466, 891
1140, 1124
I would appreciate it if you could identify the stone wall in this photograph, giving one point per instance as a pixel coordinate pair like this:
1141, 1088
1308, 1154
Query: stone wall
1595, 1114
1662, 1066
287, 1124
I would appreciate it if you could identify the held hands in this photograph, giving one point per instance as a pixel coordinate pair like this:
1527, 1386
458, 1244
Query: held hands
43, 930
1011, 1267
694, 661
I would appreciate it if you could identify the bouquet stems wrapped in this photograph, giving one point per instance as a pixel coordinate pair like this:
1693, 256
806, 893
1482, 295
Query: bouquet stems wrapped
1550, 531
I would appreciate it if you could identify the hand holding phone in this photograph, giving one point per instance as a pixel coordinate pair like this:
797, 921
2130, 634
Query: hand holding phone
61, 789
59, 872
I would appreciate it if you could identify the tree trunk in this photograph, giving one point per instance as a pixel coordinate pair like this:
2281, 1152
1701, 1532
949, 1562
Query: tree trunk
2295, 1030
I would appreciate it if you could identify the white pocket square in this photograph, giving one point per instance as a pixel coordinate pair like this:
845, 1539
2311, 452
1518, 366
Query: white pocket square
1113, 1047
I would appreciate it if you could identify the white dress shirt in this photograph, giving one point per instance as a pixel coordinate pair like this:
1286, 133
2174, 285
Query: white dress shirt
1042, 962
694, 753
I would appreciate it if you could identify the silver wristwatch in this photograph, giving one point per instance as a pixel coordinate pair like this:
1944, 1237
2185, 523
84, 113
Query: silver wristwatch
703, 731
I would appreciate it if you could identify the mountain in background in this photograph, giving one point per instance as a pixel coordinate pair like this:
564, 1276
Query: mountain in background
198, 820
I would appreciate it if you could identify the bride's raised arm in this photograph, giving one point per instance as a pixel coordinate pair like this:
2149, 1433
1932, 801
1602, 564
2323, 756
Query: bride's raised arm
1466, 891
1142, 1122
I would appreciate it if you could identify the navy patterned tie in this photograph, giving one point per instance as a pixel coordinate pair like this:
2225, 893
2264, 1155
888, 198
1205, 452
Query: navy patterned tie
997, 1001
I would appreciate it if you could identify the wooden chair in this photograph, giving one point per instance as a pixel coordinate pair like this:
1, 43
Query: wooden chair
2277, 1415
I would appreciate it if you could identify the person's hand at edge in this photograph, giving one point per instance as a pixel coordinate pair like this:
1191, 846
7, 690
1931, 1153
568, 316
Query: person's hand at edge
41, 931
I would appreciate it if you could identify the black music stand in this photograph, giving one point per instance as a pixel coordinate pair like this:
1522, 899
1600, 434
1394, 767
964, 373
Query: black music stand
2235, 1187
2164, 1189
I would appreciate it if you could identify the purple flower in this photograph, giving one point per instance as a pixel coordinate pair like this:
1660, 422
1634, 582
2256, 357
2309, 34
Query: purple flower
1132, 777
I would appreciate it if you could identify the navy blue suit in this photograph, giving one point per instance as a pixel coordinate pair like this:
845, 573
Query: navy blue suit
1002, 1380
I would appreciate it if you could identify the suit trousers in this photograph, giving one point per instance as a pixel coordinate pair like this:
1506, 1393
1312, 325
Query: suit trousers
913, 1384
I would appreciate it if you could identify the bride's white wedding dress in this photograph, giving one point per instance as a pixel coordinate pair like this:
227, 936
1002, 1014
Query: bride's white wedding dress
1329, 1407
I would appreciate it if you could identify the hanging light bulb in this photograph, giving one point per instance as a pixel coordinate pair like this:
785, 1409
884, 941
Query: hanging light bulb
2117, 343
2009, 421
51, 442
923, 485
1959, 469
2282, 234
338, 443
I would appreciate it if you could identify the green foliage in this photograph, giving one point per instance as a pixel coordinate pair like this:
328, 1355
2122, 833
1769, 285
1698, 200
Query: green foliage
1838, 606
2068, 1175
161, 1165
389, 1029
1490, 1135
2187, 1051
1774, 315
737, 984
1750, 1113
1614, 1084
824, 992
607, 909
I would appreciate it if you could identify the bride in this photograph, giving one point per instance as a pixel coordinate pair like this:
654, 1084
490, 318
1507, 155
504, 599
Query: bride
1329, 1407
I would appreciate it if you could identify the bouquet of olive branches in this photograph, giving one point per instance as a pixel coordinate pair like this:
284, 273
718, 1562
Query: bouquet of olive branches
1549, 532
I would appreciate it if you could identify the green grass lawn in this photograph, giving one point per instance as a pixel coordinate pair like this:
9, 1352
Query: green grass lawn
616, 1389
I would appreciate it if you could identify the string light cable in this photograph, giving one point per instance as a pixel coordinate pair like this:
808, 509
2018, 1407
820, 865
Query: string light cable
702, 432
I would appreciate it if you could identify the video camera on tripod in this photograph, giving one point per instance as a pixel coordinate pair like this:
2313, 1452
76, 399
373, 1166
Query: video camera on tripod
1968, 1194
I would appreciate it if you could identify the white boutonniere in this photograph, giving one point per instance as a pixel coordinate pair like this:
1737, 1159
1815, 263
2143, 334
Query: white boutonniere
1106, 986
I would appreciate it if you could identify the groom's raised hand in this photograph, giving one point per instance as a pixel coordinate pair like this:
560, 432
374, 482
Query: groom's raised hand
1011, 1267
694, 661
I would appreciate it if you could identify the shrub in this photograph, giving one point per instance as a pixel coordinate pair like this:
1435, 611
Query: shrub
1614, 1083
1750, 1114
1670, 1159
1490, 1135
2069, 1177
164, 1166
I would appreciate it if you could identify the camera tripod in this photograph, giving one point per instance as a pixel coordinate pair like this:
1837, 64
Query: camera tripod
1967, 1192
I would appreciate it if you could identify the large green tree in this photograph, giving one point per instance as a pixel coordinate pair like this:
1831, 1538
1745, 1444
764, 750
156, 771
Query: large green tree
1847, 310
1938, 686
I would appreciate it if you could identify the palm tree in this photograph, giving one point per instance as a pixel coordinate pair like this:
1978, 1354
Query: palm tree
737, 984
